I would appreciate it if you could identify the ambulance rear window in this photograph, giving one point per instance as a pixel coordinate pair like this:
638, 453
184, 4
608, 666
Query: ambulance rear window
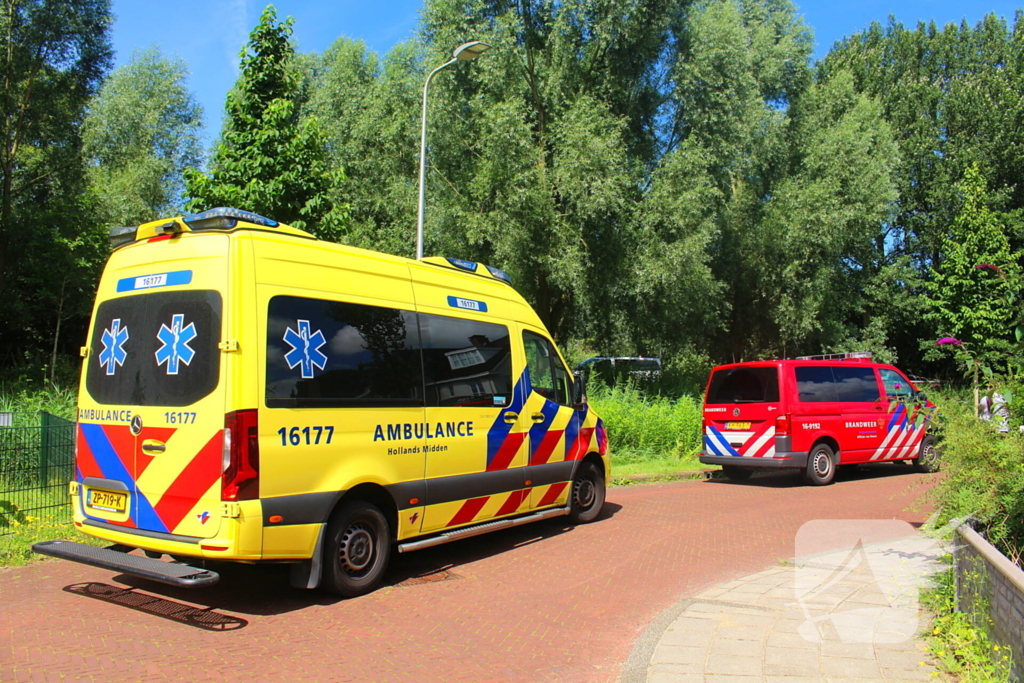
156, 349
744, 385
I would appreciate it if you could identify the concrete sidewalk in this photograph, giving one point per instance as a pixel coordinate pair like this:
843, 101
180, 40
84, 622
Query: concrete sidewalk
833, 617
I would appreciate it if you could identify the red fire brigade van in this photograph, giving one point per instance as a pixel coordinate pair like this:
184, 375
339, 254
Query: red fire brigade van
814, 413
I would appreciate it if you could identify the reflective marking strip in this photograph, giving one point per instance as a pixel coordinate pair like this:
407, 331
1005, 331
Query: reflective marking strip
468, 511
760, 443
512, 504
552, 495
718, 443
202, 471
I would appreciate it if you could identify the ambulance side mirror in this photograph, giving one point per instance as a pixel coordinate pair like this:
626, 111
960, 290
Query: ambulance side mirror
921, 397
579, 390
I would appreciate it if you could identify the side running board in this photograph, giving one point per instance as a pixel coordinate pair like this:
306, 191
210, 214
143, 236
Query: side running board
466, 532
170, 573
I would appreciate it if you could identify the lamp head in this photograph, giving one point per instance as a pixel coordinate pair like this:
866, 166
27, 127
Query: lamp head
470, 50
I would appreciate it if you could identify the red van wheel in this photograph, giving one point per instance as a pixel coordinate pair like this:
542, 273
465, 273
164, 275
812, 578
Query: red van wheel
927, 459
821, 466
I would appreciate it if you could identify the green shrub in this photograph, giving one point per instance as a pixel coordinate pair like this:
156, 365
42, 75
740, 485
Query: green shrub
983, 475
644, 429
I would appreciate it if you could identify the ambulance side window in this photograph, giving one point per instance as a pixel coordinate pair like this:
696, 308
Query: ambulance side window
548, 377
333, 353
895, 384
465, 362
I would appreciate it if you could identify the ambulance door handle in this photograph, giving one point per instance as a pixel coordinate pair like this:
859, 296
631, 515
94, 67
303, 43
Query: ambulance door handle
511, 417
153, 446
537, 417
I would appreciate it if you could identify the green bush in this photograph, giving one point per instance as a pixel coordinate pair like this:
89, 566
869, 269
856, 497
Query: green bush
983, 475
645, 429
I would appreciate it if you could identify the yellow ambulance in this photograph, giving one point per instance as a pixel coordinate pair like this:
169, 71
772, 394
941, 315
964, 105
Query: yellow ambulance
250, 393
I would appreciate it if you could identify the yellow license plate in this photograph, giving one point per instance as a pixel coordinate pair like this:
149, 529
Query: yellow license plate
737, 425
110, 501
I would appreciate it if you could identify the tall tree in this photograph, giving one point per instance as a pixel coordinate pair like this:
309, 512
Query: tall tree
268, 160
141, 133
55, 54
975, 287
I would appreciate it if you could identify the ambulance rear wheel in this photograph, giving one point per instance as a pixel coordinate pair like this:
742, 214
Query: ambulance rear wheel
356, 551
821, 466
586, 499
735, 473
927, 459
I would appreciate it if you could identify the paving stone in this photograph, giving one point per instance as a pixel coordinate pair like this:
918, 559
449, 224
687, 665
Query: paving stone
730, 646
733, 665
923, 673
789, 656
673, 654
850, 668
849, 650
679, 637
791, 671
789, 640
901, 660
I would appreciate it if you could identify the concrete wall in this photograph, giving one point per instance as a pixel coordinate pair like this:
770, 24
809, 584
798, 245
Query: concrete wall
990, 589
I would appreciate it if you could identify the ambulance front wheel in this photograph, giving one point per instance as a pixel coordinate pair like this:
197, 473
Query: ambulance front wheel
587, 496
357, 548
927, 459
821, 465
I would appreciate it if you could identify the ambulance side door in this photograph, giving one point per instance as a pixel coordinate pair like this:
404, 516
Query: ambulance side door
554, 426
473, 433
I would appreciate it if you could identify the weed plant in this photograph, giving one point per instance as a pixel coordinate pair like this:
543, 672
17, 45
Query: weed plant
648, 434
960, 646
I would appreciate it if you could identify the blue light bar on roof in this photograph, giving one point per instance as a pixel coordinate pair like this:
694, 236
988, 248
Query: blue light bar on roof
227, 218
500, 274
464, 265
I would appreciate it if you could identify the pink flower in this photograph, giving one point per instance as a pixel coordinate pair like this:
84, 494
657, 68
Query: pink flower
952, 341
989, 266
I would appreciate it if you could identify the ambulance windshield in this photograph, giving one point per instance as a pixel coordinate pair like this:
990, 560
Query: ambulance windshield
155, 349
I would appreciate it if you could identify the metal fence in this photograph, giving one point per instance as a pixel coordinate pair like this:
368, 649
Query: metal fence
37, 460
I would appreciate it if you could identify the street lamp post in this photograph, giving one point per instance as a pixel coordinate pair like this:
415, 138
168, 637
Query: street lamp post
463, 53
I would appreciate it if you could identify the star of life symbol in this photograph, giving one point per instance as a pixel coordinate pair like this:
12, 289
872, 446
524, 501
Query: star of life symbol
113, 352
305, 349
175, 340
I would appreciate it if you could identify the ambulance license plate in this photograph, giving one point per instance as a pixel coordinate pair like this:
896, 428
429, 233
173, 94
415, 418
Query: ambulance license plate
737, 425
109, 501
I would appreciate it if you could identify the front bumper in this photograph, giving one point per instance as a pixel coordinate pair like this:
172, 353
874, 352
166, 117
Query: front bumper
791, 459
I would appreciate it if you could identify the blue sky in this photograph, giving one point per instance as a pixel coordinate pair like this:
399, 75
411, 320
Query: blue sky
208, 34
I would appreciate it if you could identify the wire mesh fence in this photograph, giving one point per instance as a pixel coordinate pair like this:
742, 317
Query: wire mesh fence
37, 460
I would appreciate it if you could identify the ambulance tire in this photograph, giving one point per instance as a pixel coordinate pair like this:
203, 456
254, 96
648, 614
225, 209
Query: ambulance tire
821, 466
356, 550
927, 459
586, 498
735, 473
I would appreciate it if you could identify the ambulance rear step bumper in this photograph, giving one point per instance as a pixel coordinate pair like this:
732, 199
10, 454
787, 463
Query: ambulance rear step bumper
481, 529
170, 573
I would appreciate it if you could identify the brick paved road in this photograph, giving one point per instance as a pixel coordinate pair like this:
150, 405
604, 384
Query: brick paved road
542, 602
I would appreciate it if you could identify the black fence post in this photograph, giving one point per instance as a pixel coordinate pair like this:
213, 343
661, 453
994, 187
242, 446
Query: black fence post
44, 444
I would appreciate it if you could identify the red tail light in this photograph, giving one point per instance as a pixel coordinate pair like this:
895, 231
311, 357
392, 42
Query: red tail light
782, 425
241, 478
